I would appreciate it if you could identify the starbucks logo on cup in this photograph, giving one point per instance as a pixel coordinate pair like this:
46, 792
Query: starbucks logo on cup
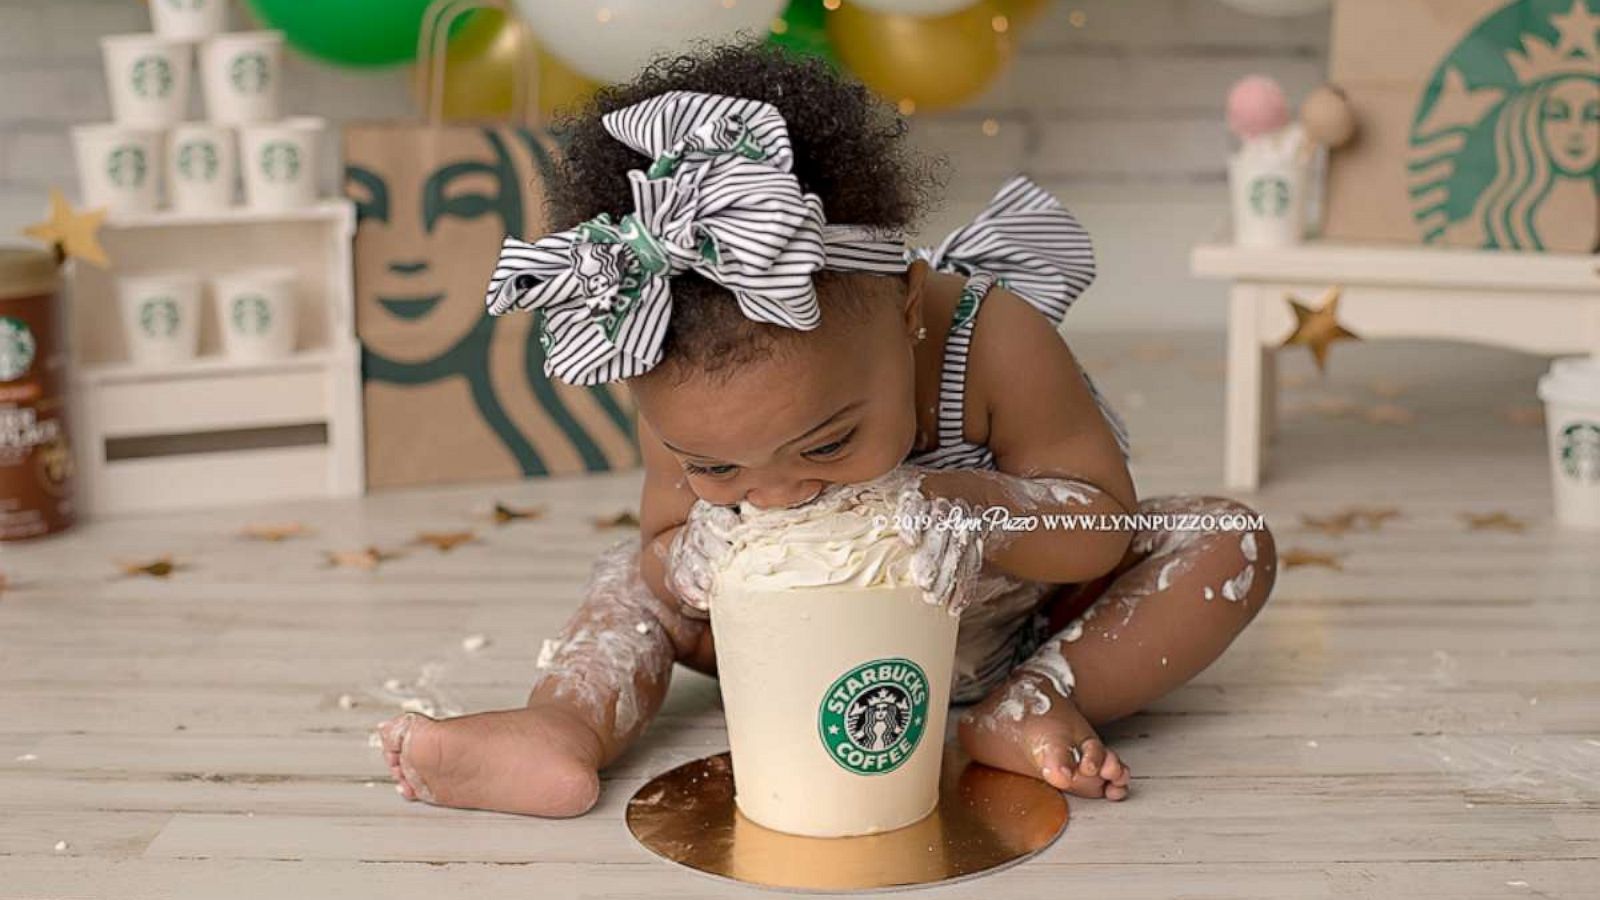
198, 161
1269, 196
280, 161
249, 73
872, 718
158, 317
126, 166
16, 348
251, 314
152, 76
1580, 450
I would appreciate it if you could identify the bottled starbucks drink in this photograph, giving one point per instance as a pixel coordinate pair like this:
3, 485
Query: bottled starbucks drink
36, 460
835, 672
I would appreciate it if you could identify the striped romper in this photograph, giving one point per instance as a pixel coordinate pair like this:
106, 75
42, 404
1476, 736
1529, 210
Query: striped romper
1004, 624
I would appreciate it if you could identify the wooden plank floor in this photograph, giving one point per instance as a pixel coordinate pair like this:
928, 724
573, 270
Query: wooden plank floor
1424, 722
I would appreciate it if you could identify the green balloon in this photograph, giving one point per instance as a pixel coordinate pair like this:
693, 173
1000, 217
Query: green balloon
804, 31
349, 32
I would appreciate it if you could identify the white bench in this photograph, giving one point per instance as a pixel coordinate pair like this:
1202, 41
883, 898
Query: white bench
1539, 303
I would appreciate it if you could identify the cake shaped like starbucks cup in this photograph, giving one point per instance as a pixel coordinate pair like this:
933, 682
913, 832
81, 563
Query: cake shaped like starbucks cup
835, 671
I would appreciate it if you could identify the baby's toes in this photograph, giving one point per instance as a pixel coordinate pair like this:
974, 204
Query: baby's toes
1093, 757
1055, 764
1113, 770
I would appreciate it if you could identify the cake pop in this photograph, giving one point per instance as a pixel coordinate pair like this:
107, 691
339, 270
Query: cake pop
1257, 107
1327, 117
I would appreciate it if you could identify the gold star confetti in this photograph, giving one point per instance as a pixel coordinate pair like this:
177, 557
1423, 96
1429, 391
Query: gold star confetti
445, 541
504, 514
160, 567
274, 532
1524, 416
1333, 525
1355, 518
1332, 407
1386, 388
1318, 328
624, 519
1374, 516
1154, 351
1294, 557
1389, 414
1498, 520
73, 235
365, 559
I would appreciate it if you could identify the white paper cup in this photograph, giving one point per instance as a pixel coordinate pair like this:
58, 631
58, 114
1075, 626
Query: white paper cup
119, 167
1571, 395
188, 19
256, 309
148, 76
242, 75
279, 160
1269, 200
160, 316
202, 166
836, 699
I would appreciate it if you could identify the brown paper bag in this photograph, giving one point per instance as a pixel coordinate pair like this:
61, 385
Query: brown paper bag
451, 393
1479, 123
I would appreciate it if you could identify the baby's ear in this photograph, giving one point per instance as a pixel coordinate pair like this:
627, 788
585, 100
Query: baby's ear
916, 281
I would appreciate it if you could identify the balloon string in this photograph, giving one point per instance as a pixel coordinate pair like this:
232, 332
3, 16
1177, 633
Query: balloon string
433, 46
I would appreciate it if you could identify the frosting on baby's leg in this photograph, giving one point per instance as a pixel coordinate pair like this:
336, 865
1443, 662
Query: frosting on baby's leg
612, 660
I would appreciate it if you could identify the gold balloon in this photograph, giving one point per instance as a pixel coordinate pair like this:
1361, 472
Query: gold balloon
482, 61
923, 63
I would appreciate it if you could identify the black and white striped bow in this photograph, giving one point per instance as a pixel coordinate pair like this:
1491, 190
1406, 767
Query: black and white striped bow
719, 198
1027, 240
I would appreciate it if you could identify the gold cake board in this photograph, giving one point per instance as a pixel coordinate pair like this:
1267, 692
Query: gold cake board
986, 820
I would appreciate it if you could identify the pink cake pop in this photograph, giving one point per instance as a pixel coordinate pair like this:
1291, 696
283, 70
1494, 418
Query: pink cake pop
1256, 107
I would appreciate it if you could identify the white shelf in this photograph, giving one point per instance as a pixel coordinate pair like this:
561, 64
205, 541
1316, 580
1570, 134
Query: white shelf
214, 431
1352, 263
202, 367
331, 209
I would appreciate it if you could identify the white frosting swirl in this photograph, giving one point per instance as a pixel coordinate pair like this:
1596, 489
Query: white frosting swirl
844, 538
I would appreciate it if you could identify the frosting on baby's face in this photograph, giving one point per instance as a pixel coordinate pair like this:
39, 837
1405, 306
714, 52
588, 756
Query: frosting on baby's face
844, 538
832, 406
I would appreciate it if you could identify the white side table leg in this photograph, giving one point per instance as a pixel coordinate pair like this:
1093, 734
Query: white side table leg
1242, 451
1269, 396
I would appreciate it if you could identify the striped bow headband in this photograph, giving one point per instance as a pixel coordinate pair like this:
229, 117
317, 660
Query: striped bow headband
719, 198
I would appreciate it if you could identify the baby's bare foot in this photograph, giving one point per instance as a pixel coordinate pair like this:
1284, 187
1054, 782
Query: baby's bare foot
1026, 727
536, 761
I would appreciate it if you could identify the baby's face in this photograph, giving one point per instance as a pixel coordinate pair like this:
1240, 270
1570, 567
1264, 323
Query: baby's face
834, 407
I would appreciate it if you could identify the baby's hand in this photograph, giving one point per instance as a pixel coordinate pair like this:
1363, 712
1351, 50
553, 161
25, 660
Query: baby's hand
698, 550
946, 538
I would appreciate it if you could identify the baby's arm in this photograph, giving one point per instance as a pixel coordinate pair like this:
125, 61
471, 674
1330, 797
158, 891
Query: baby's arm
613, 661
1055, 451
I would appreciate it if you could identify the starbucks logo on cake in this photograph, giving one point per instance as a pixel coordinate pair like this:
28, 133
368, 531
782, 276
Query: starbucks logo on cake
16, 348
873, 717
1506, 134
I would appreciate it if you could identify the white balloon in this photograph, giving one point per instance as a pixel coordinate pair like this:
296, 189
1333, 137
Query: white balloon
611, 40
915, 7
1279, 7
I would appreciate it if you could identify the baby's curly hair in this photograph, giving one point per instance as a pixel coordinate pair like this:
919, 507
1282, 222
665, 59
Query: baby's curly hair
848, 150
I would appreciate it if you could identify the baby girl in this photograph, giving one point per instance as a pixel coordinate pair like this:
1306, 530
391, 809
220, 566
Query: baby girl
732, 247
